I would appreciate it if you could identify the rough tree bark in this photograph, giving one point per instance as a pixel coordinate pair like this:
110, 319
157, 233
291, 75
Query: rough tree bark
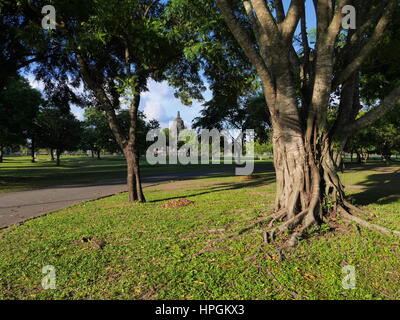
132, 155
309, 189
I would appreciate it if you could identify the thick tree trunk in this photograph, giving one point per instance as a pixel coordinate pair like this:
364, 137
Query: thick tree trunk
1, 154
308, 187
98, 155
52, 154
135, 191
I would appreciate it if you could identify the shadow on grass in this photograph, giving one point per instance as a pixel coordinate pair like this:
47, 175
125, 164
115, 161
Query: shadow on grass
380, 188
266, 179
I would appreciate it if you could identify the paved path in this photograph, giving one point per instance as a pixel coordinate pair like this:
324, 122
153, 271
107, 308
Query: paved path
17, 207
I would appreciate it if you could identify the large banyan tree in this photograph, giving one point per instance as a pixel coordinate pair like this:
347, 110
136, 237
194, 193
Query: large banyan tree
299, 81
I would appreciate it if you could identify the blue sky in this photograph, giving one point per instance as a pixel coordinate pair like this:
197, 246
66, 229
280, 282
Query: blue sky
159, 102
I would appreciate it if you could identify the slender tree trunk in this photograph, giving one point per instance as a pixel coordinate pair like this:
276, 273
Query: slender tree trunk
1, 154
58, 155
131, 179
387, 158
359, 158
33, 146
132, 155
52, 154
129, 145
98, 155
135, 191
138, 176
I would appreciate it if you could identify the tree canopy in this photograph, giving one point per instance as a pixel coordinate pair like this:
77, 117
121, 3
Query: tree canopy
19, 104
58, 130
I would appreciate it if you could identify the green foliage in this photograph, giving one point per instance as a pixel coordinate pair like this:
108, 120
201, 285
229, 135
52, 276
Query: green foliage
19, 41
386, 134
229, 75
262, 148
380, 73
242, 114
19, 104
97, 135
124, 45
383, 137
57, 129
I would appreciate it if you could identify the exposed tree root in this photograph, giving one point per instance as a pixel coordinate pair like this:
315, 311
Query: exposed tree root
289, 225
349, 217
352, 207
292, 242
278, 217
302, 222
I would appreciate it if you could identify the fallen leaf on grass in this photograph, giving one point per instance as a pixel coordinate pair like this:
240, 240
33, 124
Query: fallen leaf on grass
177, 203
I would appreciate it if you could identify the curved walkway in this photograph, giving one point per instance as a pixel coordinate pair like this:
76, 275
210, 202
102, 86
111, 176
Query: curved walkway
17, 207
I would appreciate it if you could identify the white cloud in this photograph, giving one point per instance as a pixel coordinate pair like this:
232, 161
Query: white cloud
157, 103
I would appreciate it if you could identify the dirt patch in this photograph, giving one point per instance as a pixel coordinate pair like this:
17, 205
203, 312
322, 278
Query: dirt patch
250, 177
93, 243
191, 184
177, 203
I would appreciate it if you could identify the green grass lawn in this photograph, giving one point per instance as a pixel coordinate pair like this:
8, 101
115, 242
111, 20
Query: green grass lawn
206, 250
18, 173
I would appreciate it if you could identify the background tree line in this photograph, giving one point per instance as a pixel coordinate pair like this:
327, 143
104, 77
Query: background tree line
37, 123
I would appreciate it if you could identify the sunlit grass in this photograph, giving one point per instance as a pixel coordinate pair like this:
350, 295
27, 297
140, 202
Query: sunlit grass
186, 253
18, 173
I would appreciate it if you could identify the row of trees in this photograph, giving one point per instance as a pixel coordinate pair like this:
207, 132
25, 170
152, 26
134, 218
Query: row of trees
382, 138
37, 123
111, 50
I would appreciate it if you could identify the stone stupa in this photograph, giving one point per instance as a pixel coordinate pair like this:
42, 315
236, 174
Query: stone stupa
177, 125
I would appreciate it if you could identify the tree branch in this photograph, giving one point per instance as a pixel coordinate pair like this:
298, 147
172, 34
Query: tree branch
370, 117
266, 18
246, 44
255, 25
336, 22
368, 48
292, 19
372, 19
103, 99
280, 11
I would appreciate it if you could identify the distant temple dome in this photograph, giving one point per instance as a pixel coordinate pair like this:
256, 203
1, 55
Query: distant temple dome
177, 125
